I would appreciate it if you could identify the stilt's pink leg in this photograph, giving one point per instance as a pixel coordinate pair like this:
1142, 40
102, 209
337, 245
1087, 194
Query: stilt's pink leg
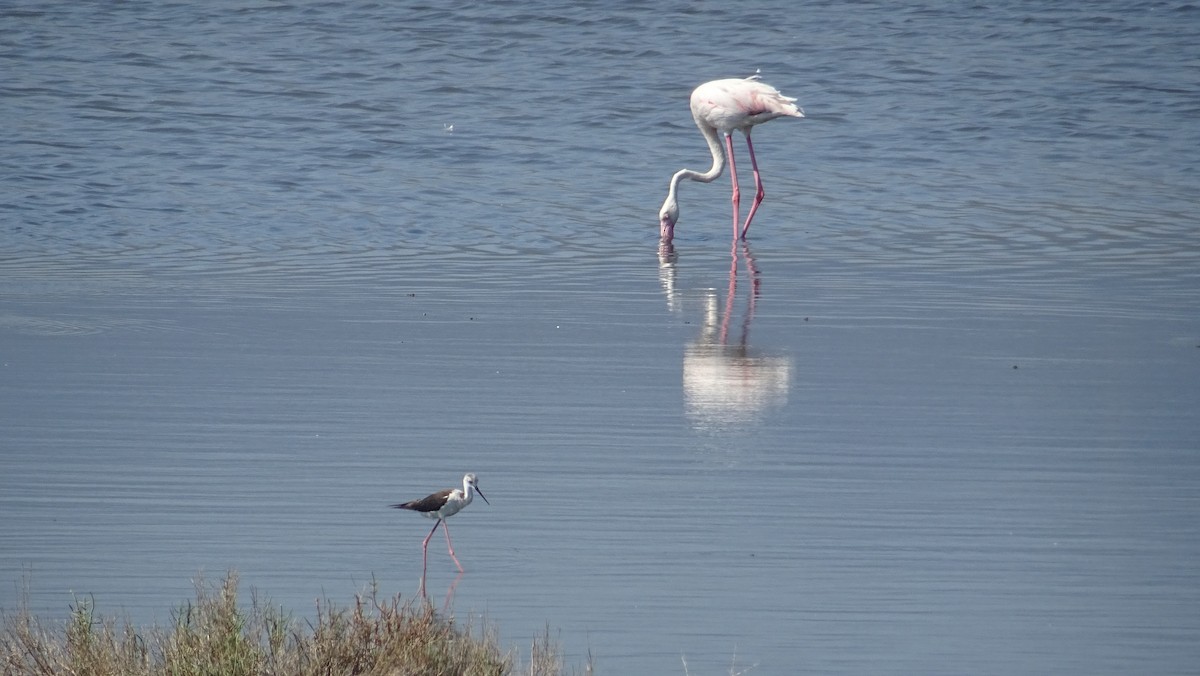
446, 531
425, 549
737, 192
425, 556
758, 189
425, 544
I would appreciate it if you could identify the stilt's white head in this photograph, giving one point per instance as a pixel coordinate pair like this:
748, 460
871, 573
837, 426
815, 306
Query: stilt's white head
473, 481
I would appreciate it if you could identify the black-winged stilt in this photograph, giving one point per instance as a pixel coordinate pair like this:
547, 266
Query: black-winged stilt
441, 506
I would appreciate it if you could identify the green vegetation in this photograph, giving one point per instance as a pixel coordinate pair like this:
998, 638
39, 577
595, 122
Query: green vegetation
212, 636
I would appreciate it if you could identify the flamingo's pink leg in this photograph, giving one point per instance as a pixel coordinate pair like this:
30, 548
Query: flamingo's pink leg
737, 192
758, 188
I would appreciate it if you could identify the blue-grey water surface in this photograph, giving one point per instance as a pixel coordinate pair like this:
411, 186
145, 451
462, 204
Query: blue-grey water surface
266, 268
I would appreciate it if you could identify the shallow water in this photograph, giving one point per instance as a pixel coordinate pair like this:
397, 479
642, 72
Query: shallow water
268, 269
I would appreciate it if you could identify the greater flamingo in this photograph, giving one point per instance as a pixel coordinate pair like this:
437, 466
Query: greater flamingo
723, 106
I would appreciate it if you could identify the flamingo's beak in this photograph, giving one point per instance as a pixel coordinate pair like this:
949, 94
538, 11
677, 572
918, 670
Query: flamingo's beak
666, 229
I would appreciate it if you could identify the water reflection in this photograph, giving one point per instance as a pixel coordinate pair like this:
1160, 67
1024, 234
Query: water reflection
726, 381
448, 602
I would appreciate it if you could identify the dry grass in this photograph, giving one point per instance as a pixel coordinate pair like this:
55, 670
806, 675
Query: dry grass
212, 636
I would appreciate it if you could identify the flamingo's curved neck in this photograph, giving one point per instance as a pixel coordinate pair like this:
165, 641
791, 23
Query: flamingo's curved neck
718, 165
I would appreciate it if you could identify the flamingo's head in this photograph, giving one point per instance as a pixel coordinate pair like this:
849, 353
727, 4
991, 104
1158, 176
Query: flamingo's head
667, 217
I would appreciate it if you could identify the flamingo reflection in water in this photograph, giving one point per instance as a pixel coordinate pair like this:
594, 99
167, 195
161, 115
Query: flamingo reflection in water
726, 381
